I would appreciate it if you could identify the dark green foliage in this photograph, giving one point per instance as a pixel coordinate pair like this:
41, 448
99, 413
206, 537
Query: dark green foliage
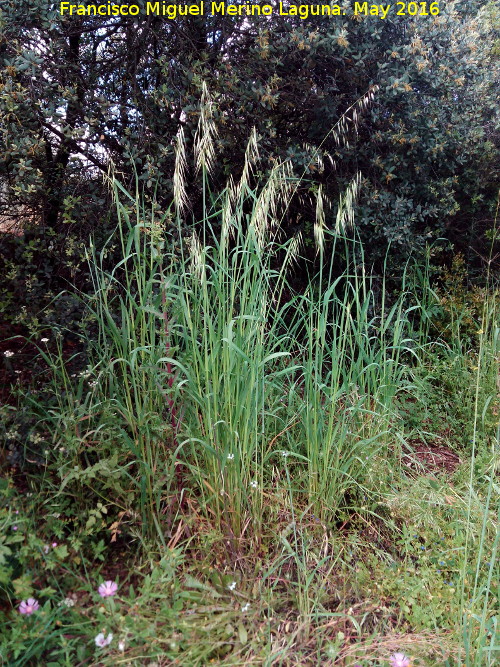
78, 91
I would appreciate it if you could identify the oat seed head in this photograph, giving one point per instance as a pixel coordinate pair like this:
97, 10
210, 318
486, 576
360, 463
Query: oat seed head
197, 256
180, 195
345, 212
319, 222
251, 157
206, 133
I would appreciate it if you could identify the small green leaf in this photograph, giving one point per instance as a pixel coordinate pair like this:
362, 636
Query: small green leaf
242, 633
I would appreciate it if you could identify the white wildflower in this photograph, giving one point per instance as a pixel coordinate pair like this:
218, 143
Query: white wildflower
70, 602
103, 641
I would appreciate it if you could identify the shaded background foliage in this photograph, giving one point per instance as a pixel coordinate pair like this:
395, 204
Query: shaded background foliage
79, 93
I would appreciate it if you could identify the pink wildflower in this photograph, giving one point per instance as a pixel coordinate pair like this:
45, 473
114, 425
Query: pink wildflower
54, 545
107, 589
399, 660
29, 606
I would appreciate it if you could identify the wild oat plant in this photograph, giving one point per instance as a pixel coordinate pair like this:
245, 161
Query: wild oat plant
213, 388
